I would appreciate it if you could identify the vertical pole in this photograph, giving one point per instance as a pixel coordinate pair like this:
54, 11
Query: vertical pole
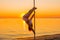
34, 20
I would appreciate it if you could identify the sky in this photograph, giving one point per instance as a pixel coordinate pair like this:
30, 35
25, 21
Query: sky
17, 8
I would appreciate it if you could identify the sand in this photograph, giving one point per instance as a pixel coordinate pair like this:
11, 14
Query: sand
45, 37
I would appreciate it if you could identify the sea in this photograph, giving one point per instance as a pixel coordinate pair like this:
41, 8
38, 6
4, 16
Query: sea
17, 28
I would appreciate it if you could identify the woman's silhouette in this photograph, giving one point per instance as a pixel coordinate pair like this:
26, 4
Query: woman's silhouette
29, 21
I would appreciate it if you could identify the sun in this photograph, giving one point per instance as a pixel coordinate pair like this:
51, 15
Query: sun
22, 14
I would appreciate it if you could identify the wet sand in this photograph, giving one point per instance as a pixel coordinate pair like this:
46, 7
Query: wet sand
45, 37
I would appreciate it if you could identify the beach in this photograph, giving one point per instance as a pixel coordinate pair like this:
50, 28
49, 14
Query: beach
44, 37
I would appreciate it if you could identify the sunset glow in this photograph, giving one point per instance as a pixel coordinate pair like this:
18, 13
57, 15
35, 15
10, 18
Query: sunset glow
22, 14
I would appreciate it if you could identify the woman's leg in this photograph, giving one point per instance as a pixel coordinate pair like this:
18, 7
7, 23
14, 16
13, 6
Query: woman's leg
29, 13
31, 17
26, 16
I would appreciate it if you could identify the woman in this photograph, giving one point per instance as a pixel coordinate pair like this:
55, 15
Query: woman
29, 21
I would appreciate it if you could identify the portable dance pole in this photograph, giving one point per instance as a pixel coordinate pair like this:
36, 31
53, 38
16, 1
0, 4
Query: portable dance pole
34, 20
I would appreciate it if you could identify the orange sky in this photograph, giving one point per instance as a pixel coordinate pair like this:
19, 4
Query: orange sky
15, 8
